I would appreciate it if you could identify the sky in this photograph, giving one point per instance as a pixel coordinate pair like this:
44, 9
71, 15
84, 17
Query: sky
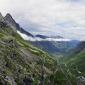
50, 17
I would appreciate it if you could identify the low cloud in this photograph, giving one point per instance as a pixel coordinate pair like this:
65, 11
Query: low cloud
50, 17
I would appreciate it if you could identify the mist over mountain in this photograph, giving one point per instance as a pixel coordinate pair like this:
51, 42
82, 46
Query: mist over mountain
20, 62
51, 44
42, 42
27, 59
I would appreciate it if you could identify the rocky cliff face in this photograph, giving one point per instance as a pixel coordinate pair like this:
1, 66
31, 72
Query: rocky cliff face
8, 18
11, 22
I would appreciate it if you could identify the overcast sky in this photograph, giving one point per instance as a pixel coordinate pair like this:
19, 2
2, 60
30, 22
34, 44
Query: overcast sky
50, 17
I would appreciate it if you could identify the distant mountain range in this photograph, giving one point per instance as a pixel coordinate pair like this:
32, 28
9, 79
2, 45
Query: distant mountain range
56, 47
51, 44
21, 63
11, 22
44, 36
76, 60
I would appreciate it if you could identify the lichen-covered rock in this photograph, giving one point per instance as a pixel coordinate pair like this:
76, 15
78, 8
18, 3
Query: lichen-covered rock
10, 80
80, 80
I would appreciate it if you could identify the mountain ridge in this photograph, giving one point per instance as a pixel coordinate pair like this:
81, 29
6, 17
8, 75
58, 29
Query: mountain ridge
21, 63
11, 22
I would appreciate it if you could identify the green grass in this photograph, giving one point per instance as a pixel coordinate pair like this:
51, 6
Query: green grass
26, 56
18, 58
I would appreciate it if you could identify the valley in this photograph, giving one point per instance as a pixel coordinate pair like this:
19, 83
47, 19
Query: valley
25, 62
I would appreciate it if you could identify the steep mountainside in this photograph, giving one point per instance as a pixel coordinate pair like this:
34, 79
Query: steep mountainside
11, 22
79, 48
20, 61
76, 61
23, 64
52, 47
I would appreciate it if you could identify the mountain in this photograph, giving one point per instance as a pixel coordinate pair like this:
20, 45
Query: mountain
11, 22
23, 64
46, 46
76, 61
42, 36
80, 47
56, 47
20, 62
45, 37
58, 37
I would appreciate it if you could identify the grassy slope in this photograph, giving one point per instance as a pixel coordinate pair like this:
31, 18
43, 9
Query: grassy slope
78, 62
75, 65
19, 59
17, 55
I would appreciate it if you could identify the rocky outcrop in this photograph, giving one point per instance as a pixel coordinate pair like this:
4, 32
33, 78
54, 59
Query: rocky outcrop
81, 80
28, 80
11, 22
2, 24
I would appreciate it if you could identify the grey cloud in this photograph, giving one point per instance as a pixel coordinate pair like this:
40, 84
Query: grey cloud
51, 17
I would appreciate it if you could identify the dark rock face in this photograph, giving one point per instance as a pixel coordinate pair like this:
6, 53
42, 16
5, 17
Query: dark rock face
8, 18
2, 24
42, 36
25, 32
28, 80
11, 22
